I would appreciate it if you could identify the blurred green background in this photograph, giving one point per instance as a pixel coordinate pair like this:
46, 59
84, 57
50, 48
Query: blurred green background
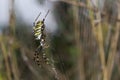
83, 38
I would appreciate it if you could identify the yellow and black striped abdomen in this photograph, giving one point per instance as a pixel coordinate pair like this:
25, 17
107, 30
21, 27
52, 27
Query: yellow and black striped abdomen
37, 30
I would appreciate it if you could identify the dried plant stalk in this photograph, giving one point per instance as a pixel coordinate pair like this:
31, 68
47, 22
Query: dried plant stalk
77, 41
5, 56
12, 18
113, 47
12, 55
14, 63
99, 37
